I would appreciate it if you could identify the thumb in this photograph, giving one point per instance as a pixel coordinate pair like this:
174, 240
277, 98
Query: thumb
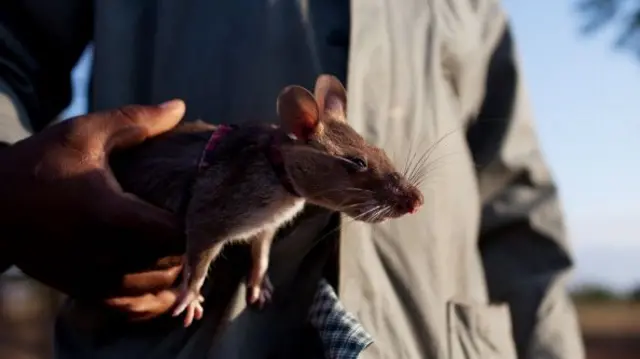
130, 125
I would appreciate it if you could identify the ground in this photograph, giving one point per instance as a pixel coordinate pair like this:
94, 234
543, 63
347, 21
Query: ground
611, 330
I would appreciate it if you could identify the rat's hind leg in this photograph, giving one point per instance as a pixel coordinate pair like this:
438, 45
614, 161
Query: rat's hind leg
260, 289
193, 276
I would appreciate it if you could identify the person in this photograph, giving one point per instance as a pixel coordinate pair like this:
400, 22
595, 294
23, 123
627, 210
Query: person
479, 272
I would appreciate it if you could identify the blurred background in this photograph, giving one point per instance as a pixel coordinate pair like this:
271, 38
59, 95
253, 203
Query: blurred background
581, 64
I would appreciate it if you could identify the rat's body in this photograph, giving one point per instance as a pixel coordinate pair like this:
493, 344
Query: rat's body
215, 199
250, 180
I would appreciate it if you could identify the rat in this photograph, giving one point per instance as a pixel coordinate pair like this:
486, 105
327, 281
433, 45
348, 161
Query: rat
241, 183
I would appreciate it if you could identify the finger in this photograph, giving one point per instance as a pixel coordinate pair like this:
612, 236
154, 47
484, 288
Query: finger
144, 307
130, 125
150, 302
149, 282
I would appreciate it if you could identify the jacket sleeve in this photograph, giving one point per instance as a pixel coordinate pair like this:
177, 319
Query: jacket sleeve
525, 252
40, 42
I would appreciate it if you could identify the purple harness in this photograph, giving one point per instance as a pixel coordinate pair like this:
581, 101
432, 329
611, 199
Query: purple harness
273, 154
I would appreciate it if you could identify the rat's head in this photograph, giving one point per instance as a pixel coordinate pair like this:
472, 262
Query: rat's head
331, 165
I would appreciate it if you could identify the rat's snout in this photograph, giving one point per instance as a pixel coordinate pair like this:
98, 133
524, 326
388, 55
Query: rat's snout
410, 202
403, 197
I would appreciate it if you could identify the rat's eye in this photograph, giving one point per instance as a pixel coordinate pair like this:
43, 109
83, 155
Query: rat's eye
357, 163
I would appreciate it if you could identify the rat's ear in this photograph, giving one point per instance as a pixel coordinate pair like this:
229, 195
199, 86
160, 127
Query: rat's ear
331, 96
298, 112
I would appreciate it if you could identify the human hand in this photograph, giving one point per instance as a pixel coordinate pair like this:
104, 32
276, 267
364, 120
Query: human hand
68, 223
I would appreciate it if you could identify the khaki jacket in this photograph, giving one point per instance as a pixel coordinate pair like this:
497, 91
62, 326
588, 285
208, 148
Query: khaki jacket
479, 272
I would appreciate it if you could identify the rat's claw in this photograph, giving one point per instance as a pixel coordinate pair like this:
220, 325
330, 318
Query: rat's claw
199, 312
267, 285
254, 294
194, 311
260, 295
190, 313
266, 296
185, 298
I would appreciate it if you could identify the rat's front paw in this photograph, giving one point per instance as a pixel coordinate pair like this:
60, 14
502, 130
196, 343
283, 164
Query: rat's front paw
190, 301
259, 295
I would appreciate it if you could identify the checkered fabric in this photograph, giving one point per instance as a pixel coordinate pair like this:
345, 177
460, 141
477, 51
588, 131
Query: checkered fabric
341, 334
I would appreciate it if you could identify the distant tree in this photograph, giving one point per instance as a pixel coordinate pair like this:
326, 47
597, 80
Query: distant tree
592, 293
634, 294
624, 14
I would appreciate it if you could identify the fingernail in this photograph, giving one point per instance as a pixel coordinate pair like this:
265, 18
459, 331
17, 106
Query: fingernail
171, 104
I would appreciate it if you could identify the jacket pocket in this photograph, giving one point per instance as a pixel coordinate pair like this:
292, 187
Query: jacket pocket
479, 331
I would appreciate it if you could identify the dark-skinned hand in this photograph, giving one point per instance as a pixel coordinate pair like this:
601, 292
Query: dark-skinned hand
68, 223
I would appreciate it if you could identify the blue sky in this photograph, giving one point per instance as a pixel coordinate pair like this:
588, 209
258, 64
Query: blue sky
585, 100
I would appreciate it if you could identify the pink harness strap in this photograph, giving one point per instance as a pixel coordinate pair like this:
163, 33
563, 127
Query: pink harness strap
216, 136
272, 152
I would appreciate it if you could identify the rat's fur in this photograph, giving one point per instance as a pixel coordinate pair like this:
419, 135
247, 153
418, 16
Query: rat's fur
240, 197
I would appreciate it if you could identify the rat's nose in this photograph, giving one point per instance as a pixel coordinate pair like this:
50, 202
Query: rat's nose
412, 203
414, 206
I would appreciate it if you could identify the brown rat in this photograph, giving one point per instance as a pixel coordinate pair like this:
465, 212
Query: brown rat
250, 180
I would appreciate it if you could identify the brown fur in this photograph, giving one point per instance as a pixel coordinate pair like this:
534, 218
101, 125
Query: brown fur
240, 197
